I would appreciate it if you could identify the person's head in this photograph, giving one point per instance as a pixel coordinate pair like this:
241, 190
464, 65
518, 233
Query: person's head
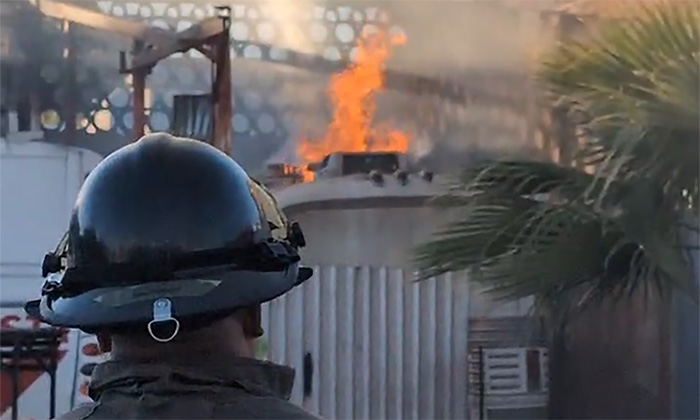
170, 241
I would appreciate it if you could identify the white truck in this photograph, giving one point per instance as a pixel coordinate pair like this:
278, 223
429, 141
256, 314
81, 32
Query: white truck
39, 184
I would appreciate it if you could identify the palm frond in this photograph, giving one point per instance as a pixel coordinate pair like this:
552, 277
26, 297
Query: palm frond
638, 83
552, 245
504, 178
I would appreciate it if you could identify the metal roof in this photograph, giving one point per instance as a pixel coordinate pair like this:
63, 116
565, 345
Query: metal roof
340, 192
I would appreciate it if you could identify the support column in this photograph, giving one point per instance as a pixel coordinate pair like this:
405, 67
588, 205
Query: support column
69, 105
139, 83
223, 106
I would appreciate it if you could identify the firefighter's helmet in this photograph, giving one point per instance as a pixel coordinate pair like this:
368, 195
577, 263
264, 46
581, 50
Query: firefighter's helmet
167, 230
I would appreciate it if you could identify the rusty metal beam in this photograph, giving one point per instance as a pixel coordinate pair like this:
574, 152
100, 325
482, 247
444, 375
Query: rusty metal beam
211, 55
97, 20
192, 37
70, 115
203, 30
139, 106
223, 105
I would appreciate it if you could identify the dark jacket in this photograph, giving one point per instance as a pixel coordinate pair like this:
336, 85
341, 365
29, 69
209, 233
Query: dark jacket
236, 388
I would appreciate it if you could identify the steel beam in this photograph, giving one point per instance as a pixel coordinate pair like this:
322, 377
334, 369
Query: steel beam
222, 95
139, 106
192, 37
97, 20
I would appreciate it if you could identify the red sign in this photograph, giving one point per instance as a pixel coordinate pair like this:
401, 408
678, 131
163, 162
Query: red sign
26, 378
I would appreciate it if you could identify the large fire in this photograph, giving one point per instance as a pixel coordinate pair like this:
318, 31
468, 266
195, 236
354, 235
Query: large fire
352, 96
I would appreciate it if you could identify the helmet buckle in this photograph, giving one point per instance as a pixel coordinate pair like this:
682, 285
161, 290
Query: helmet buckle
296, 236
162, 314
51, 264
276, 250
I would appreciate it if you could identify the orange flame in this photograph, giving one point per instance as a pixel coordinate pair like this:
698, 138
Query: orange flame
352, 95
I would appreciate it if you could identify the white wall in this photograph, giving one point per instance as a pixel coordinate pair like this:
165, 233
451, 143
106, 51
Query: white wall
387, 347
385, 236
380, 236
39, 183
383, 346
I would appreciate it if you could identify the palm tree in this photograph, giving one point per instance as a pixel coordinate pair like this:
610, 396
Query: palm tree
570, 237
634, 89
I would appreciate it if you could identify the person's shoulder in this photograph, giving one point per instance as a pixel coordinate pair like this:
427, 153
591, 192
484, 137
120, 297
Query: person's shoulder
270, 408
267, 408
293, 411
81, 412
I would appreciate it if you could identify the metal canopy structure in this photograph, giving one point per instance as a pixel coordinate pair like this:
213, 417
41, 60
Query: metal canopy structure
151, 45
210, 37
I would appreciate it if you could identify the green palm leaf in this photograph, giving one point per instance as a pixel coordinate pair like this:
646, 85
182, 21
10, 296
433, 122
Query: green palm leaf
528, 230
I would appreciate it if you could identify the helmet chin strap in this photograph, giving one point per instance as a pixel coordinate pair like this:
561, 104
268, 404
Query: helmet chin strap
162, 313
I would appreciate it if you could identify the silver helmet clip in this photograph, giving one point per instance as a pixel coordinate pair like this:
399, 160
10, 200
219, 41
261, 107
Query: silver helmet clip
162, 313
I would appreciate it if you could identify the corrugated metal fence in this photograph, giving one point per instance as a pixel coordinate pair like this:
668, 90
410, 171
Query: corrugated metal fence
381, 345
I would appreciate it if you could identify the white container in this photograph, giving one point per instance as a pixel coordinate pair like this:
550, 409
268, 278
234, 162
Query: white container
39, 183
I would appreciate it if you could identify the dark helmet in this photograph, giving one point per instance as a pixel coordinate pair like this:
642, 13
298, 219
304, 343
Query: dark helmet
168, 229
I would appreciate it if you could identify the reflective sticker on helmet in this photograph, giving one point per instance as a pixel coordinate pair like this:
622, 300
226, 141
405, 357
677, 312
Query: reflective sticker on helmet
149, 291
268, 205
